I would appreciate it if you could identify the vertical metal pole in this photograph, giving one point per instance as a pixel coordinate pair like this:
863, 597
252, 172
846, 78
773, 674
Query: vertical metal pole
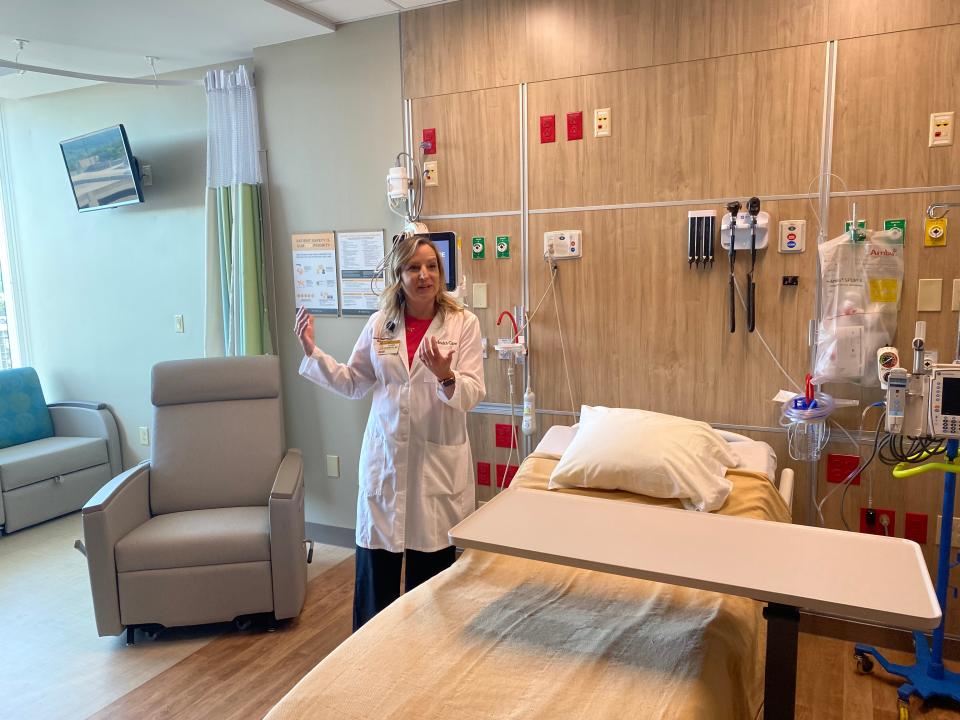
826, 160
943, 562
524, 251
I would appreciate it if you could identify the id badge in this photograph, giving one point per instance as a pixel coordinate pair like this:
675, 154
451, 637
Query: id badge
388, 347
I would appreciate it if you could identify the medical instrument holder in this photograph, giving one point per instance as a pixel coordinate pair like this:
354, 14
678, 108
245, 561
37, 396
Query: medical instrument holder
742, 240
927, 677
806, 423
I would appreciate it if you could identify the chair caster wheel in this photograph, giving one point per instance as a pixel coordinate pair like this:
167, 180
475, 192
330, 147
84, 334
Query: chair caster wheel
242, 624
864, 663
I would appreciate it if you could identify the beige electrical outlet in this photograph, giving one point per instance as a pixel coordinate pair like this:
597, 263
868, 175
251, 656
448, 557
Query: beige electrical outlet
929, 292
480, 295
955, 300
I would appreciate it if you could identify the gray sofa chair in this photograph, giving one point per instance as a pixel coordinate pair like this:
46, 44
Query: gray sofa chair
52, 457
211, 527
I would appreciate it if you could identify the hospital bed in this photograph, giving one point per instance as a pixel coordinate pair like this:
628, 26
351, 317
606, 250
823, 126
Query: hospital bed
508, 637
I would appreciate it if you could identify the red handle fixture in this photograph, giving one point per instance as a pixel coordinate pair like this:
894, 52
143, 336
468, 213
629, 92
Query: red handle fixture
809, 389
516, 333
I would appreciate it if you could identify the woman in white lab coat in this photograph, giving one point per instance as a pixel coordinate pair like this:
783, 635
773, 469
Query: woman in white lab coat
421, 356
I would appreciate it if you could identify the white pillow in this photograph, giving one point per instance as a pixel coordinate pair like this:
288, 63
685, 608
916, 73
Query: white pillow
650, 454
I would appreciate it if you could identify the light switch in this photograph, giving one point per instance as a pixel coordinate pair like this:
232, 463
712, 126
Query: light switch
929, 291
479, 295
178, 323
955, 302
333, 466
144, 435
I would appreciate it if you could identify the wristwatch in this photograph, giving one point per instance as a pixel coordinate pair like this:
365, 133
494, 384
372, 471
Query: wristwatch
448, 382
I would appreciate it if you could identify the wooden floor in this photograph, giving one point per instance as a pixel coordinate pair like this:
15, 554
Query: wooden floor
241, 675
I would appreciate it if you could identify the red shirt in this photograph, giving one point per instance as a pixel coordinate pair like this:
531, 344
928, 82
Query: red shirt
416, 329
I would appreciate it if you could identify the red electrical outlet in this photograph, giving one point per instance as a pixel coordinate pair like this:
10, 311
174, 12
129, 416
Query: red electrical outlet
548, 129
430, 141
505, 438
510, 472
575, 125
882, 516
915, 527
839, 466
483, 473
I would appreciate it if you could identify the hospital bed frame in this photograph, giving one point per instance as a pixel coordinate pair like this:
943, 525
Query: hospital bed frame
789, 567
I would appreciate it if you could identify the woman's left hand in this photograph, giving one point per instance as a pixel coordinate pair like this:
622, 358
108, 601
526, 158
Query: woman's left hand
432, 356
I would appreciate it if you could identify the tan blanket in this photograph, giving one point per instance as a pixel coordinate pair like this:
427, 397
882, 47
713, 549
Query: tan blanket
503, 637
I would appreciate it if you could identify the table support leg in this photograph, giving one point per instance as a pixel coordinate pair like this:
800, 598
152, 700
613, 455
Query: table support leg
780, 673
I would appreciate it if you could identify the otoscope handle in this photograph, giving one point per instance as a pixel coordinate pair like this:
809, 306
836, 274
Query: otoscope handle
733, 306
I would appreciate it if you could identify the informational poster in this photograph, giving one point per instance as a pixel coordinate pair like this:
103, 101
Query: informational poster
361, 254
315, 273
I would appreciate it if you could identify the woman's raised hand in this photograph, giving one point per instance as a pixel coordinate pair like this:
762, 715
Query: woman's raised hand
303, 327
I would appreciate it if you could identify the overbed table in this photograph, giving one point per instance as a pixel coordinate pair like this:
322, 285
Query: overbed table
790, 567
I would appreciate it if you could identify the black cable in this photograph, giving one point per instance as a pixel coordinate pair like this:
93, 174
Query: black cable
863, 466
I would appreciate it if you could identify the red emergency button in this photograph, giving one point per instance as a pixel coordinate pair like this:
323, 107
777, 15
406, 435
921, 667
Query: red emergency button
792, 236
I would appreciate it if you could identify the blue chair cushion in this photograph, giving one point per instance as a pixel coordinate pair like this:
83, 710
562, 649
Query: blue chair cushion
24, 416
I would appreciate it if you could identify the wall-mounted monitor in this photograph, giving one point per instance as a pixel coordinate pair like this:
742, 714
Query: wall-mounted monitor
103, 172
446, 243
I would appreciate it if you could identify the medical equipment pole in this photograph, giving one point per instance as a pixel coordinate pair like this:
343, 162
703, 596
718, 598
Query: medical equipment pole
753, 207
927, 676
733, 207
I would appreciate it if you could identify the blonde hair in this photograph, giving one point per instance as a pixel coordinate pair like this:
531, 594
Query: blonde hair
393, 301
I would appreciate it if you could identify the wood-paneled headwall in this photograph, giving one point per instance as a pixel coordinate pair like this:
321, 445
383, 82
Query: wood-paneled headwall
709, 99
475, 44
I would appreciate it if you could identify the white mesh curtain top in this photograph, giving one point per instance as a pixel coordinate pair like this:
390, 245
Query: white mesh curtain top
233, 131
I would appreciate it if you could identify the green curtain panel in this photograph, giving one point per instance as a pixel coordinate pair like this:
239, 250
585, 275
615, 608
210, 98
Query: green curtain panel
236, 298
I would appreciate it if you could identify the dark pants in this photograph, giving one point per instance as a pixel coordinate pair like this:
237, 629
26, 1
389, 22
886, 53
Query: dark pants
378, 577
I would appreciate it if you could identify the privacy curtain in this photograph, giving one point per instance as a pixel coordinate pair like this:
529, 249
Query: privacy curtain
236, 309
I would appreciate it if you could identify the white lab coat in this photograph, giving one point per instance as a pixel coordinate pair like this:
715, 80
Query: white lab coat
416, 470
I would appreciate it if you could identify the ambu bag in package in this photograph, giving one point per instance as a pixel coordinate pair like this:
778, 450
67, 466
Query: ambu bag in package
860, 296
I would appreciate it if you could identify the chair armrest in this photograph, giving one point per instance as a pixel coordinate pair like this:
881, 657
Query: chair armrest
118, 507
79, 404
289, 476
88, 419
288, 554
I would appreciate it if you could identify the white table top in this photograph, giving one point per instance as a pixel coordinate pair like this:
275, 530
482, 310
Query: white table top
862, 577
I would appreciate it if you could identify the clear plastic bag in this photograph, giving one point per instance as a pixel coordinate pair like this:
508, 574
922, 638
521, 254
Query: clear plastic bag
860, 295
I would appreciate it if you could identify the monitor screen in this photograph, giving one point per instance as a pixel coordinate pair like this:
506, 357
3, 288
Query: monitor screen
446, 243
951, 396
103, 171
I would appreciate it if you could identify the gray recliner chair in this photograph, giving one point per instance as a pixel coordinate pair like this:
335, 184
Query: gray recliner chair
212, 526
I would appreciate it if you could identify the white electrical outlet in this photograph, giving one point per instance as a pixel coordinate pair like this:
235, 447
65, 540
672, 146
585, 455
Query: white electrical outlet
144, 435
955, 538
333, 466
601, 122
430, 176
941, 129
178, 323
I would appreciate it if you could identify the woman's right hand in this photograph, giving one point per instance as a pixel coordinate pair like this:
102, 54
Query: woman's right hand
303, 327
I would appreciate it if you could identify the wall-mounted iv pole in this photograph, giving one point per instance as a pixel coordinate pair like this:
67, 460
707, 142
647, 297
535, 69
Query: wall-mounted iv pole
95, 78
